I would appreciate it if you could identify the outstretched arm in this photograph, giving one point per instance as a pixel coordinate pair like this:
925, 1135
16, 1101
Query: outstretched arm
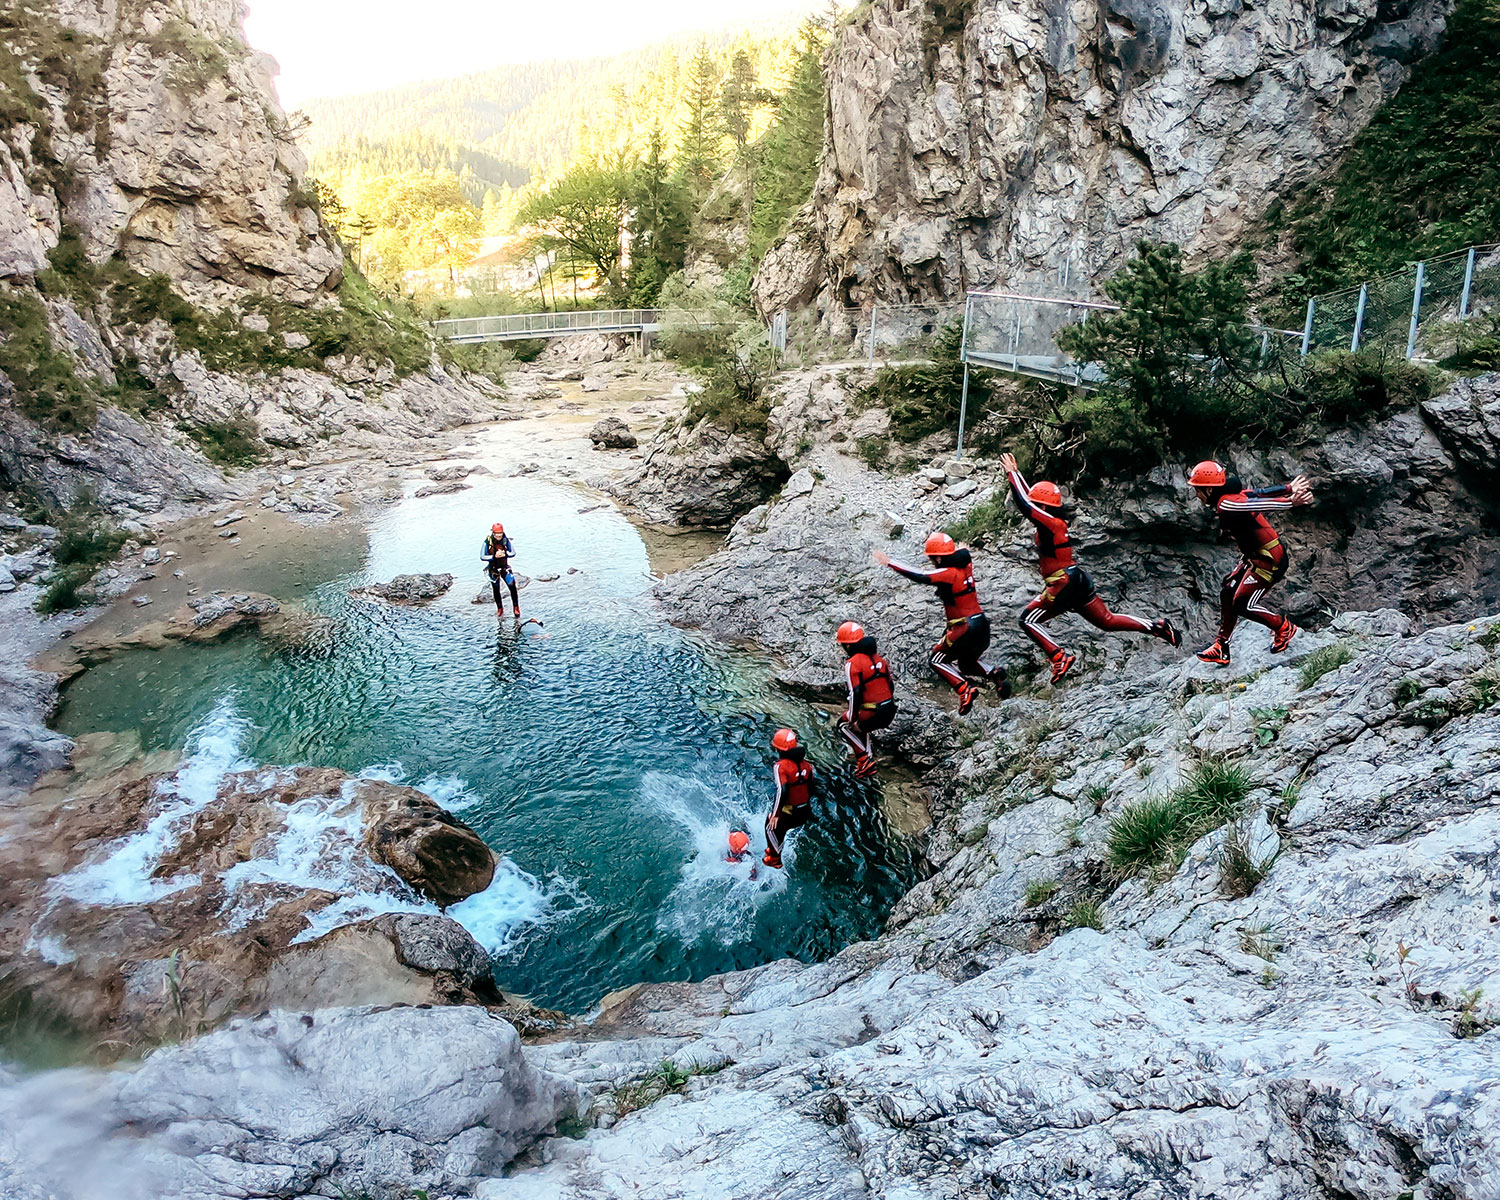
916, 576
1019, 489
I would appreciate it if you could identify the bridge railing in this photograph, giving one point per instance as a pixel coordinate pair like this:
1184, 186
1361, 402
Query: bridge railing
548, 324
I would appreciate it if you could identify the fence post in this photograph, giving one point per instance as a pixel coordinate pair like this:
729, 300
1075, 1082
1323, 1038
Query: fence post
1359, 318
1463, 304
963, 356
1312, 305
1416, 310
874, 308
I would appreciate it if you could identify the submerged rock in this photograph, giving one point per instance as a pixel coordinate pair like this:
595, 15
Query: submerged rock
346, 1101
407, 589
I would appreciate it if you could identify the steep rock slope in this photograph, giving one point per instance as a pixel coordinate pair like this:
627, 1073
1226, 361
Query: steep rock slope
164, 273
1323, 1035
973, 143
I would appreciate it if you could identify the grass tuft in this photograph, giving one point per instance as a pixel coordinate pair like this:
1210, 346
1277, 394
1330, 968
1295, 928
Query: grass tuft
1086, 914
1323, 660
1039, 891
1157, 831
1240, 873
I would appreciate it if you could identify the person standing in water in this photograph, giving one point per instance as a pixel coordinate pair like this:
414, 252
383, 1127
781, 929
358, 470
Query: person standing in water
1066, 587
872, 699
496, 556
956, 657
792, 806
1263, 559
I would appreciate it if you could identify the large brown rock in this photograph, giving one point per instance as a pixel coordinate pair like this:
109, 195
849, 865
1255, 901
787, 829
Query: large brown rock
435, 853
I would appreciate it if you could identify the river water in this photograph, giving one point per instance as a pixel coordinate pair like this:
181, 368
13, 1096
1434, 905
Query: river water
605, 757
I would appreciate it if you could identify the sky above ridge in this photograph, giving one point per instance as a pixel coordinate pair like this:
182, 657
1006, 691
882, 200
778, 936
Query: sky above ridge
337, 47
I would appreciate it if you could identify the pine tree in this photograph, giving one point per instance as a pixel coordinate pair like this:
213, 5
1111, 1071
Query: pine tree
740, 96
698, 160
792, 149
659, 222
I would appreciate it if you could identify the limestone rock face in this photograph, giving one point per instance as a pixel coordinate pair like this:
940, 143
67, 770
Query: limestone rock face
1467, 419
982, 143
701, 475
353, 1101
182, 161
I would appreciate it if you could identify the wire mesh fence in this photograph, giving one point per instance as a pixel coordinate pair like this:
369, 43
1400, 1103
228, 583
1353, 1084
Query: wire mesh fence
1020, 333
1421, 312
877, 335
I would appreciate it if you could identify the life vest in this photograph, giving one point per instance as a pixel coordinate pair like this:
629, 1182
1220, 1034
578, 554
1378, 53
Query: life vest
1054, 553
497, 550
958, 591
871, 676
795, 779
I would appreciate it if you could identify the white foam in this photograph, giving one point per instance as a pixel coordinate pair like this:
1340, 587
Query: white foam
122, 872
515, 902
450, 791
714, 898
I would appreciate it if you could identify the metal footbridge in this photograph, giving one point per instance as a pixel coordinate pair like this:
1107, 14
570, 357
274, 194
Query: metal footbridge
519, 326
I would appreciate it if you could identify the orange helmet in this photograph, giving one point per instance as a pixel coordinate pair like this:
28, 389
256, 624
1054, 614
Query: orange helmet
1207, 474
785, 739
739, 842
1045, 493
497, 528
850, 632
939, 544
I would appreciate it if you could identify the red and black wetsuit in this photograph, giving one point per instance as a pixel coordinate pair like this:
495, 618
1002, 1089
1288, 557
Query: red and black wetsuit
1066, 587
968, 633
872, 699
792, 807
1263, 559
496, 557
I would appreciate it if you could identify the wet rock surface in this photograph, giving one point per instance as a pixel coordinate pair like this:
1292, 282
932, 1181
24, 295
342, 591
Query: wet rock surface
116, 881
288, 1105
407, 589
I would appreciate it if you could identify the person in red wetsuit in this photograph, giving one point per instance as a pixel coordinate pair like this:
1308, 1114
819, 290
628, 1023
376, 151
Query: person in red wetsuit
1066, 587
1263, 558
956, 657
872, 699
792, 807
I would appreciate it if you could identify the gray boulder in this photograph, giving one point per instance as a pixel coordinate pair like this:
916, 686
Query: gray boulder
1467, 419
340, 1102
407, 589
611, 433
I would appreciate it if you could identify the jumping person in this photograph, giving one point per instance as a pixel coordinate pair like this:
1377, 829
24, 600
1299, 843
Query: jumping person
872, 700
1263, 559
496, 557
792, 807
1066, 587
956, 657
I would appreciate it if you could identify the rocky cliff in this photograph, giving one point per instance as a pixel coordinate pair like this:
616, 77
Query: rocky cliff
973, 143
165, 277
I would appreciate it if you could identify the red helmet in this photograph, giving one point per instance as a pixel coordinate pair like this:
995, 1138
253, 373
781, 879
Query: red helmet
850, 632
785, 739
939, 544
497, 528
1207, 474
739, 842
1045, 493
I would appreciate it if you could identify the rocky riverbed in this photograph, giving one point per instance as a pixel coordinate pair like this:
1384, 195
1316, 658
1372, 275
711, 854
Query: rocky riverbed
1289, 1002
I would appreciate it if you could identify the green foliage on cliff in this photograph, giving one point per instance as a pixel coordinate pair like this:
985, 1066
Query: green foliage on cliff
47, 387
787, 158
1424, 176
88, 541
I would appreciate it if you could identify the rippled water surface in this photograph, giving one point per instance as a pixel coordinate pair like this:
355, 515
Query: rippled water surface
606, 757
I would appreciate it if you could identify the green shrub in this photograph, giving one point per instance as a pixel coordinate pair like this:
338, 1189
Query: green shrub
925, 398
1323, 660
1039, 891
1339, 387
48, 389
874, 450
1149, 833
1421, 179
1086, 914
232, 443
985, 518
85, 543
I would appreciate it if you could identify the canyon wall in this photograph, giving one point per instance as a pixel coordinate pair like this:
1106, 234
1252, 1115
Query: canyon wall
979, 143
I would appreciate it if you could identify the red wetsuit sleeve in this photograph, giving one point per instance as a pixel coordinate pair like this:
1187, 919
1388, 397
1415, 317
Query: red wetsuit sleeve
855, 674
930, 578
